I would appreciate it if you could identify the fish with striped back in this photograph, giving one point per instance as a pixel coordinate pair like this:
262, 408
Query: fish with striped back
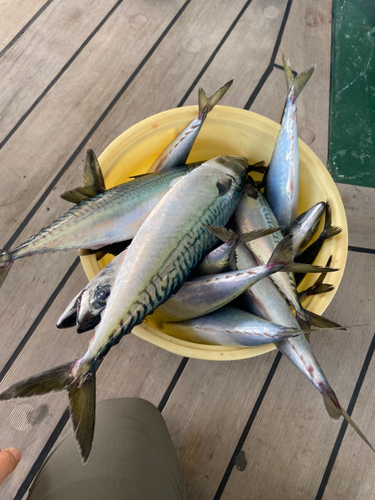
109, 217
167, 246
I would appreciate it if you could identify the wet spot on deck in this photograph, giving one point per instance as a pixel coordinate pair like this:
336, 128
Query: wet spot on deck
137, 21
240, 461
307, 135
193, 45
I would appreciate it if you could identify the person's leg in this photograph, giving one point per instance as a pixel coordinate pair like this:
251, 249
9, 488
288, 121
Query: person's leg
132, 458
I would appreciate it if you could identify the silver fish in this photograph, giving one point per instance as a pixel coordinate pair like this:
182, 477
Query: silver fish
282, 182
196, 297
311, 252
167, 246
217, 260
253, 212
205, 294
265, 300
85, 309
229, 326
177, 152
109, 217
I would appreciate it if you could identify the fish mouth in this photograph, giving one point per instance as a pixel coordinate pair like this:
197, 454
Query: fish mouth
87, 323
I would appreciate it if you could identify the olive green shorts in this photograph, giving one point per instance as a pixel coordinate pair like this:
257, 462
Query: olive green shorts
132, 458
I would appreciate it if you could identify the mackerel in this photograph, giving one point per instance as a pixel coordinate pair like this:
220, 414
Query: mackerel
112, 216
282, 182
218, 259
229, 326
253, 212
196, 297
311, 252
167, 246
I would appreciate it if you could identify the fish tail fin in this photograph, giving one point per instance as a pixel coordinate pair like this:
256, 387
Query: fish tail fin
335, 411
228, 235
307, 319
283, 256
329, 231
5, 264
81, 391
206, 104
82, 401
93, 181
316, 289
259, 166
298, 82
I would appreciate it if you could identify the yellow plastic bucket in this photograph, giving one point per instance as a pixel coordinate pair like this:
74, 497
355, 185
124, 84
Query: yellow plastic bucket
226, 131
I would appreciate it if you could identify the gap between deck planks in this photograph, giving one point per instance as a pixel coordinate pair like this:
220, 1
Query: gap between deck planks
16, 16
54, 39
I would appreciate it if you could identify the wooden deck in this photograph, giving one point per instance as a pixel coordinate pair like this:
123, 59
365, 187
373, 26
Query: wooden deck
75, 75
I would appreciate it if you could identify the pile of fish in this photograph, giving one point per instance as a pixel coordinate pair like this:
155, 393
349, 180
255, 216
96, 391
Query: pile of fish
177, 266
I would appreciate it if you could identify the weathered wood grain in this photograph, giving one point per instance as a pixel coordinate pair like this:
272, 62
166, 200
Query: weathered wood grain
353, 472
39, 55
307, 41
14, 15
289, 445
245, 54
359, 205
271, 99
206, 414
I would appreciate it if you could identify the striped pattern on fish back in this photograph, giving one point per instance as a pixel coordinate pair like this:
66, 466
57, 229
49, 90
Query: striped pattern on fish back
167, 277
110, 205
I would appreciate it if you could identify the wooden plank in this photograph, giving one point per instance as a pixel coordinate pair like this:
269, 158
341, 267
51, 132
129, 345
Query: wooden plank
36, 288
353, 472
306, 41
246, 54
271, 99
290, 442
134, 368
38, 56
359, 207
14, 15
206, 414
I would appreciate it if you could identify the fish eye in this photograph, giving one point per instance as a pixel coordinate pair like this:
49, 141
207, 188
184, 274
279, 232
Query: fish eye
102, 294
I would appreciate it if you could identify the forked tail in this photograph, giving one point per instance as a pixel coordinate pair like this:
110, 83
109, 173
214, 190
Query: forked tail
335, 411
82, 397
206, 104
296, 83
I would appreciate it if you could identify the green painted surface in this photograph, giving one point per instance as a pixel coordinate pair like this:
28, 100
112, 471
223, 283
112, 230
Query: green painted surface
352, 139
